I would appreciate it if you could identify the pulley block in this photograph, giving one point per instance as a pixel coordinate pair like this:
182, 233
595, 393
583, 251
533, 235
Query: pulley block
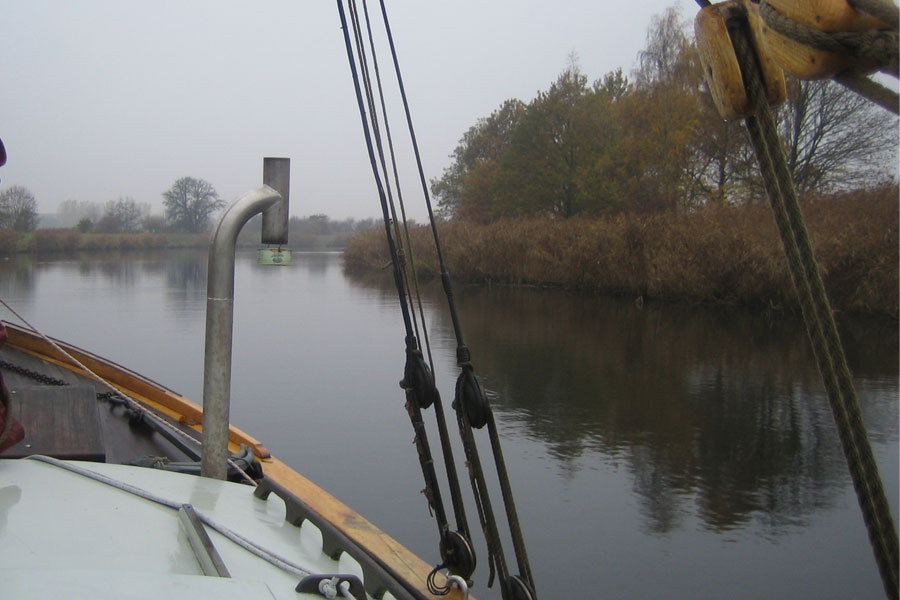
831, 16
720, 64
457, 554
418, 378
519, 589
470, 398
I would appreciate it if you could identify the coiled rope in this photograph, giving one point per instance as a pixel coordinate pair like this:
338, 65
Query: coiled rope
818, 316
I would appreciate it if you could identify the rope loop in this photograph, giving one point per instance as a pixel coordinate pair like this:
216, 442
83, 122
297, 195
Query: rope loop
868, 49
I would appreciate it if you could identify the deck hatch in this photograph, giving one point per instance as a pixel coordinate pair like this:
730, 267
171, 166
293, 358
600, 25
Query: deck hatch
59, 421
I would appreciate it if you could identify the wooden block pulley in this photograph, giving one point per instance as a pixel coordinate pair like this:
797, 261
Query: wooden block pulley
720, 64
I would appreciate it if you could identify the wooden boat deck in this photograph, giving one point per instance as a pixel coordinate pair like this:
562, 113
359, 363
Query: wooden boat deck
70, 422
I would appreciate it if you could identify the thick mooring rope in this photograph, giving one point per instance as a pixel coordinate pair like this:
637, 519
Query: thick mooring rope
819, 320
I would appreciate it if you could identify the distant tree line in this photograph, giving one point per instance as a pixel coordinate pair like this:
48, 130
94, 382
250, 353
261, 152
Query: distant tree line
190, 204
653, 143
320, 224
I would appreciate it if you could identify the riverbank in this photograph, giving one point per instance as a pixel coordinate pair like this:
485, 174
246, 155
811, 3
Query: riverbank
723, 255
72, 240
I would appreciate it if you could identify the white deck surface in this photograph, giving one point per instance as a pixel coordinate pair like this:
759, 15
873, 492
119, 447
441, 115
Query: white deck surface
63, 535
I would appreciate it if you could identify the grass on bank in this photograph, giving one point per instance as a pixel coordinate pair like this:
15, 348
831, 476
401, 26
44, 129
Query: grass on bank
729, 255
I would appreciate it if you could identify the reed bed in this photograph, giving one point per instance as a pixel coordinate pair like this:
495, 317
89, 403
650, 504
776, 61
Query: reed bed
72, 240
725, 255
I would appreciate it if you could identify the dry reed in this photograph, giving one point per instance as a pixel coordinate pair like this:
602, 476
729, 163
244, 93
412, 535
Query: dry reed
728, 255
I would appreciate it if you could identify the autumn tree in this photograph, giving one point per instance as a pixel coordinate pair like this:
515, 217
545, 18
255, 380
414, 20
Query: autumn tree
654, 143
542, 171
550, 157
835, 140
477, 152
660, 118
605, 167
18, 209
190, 203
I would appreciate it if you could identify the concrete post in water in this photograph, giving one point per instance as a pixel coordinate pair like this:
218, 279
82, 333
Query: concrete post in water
271, 200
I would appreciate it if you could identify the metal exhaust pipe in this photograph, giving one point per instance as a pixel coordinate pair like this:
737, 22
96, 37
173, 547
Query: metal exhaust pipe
272, 201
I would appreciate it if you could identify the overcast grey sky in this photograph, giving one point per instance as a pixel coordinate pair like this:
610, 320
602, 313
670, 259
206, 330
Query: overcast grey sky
110, 98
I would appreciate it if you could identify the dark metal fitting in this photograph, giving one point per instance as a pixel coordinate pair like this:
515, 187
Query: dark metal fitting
471, 398
458, 555
324, 585
519, 589
463, 355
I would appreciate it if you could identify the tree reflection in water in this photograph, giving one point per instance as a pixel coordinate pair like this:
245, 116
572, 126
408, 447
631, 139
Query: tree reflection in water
716, 412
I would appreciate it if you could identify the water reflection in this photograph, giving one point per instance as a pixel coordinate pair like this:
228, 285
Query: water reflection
16, 276
717, 414
663, 443
185, 276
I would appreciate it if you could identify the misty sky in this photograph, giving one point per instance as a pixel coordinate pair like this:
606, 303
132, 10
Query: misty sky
116, 98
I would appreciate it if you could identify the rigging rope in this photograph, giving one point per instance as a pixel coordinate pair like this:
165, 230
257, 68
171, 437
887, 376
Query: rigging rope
418, 379
878, 47
470, 404
470, 400
818, 316
455, 492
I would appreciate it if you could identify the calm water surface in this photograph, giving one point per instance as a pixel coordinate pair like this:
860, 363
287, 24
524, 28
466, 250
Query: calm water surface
658, 452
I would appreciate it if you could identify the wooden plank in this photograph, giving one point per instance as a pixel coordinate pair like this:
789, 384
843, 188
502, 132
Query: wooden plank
59, 421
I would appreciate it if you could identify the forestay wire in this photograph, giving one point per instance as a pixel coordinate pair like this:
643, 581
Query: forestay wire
472, 408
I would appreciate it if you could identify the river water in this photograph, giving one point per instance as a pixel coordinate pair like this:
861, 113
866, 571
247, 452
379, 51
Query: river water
661, 451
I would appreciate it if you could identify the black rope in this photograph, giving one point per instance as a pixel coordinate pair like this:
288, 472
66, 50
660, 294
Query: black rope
411, 343
470, 401
455, 492
418, 379
402, 221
